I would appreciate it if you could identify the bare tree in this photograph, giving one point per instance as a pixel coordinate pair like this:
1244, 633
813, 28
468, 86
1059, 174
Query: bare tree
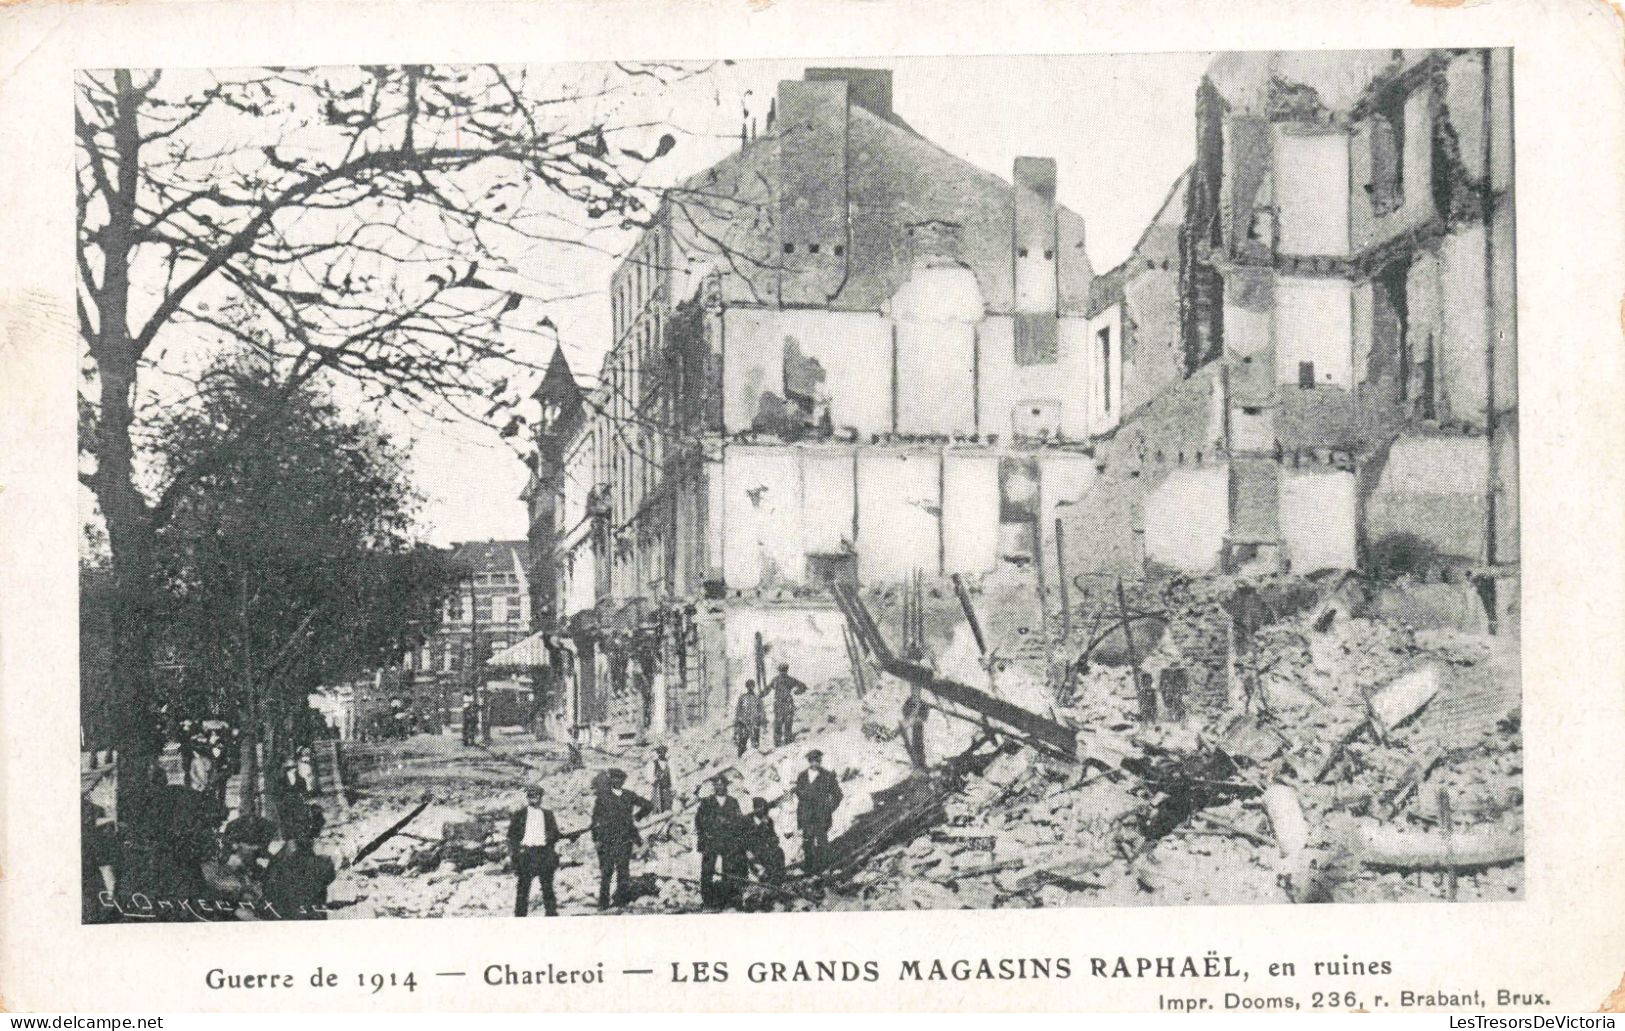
355, 225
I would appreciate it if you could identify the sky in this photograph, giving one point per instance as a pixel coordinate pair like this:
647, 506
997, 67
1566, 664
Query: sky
1121, 129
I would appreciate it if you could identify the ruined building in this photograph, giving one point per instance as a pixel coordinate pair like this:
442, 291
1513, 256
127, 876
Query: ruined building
1320, 332
840, 353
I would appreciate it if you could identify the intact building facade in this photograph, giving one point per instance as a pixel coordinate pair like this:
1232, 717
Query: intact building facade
489, 611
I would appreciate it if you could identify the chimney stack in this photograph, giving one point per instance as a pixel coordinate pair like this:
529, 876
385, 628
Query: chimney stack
1037, 255
868, 88
811, 127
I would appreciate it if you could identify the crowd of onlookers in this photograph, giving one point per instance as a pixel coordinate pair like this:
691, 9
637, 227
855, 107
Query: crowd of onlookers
182, 853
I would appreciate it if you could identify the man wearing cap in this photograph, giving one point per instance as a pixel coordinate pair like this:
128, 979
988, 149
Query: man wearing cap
717, 832
785, 688
818, 793
748, 719
615, 816
533, 836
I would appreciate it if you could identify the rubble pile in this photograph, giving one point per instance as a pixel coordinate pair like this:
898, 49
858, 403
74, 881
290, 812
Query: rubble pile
1317, 770
1334, 746
452, 859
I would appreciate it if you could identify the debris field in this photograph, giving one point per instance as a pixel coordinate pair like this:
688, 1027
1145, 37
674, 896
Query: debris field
1290, 739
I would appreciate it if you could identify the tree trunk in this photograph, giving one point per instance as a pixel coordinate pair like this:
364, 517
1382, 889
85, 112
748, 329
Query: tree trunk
136, 731
129, 530
248, 790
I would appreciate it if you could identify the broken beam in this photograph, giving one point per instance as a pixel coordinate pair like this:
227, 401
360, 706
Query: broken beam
970, 614
1040, 731
399, 825
1489, 845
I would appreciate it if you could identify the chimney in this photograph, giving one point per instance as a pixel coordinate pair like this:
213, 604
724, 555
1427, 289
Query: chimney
1037, 255
868, 88
811, 126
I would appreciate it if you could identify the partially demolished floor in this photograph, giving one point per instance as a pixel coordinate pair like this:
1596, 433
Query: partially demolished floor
1347, 744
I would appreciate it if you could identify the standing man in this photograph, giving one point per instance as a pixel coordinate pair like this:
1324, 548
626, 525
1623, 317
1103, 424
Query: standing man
307, 768
915, 710
785, 688
1175, 686
471, 719
818, 793
98, 856
748, 719
201, 762
1146, 689
291, 806
533, 837
718, 827
660, 778
615, 816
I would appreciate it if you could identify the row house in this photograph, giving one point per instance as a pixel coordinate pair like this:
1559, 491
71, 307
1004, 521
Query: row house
490, 610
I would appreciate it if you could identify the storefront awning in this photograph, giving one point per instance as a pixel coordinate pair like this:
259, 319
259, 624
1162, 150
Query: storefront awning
527, 654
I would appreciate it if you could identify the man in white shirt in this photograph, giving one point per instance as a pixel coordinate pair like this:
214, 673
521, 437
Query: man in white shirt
533, 837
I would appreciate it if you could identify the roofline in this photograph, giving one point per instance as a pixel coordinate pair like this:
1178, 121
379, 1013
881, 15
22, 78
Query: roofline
1145, 234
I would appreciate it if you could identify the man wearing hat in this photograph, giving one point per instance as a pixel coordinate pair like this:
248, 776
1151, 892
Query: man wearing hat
660, 777
717, 832
912, 727
818, 793
471, 719
533, 837
615, 816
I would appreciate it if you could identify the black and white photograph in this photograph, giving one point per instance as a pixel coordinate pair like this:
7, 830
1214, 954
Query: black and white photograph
751, 486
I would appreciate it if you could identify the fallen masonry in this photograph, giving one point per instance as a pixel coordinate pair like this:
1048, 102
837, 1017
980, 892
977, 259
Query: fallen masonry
1327, 752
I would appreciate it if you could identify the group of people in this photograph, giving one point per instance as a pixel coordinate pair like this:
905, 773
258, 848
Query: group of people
734, 846
273, 871
180, 858
534, 837
750, 713
209, 755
